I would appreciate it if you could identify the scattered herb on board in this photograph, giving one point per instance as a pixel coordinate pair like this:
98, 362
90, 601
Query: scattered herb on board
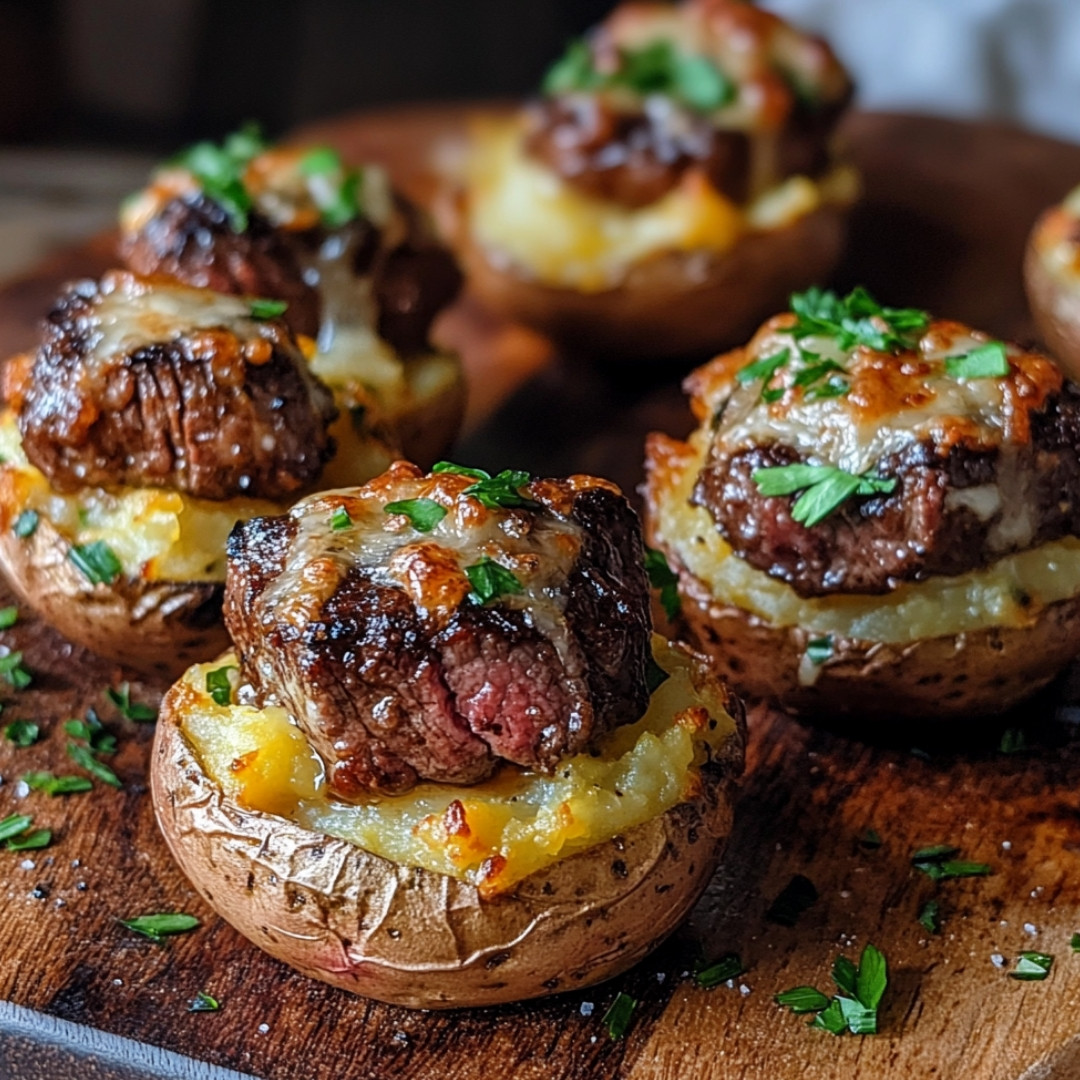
340, 519
1032, 966
617, 1018
262, 308
219, 685
14, 824
13, 672
31, 841
797, 896
989, 361
855, 1008
802, 999
67, 784
662, 577
1074, 943
84, 758
930, 916
729, 966
939, 864
823, 488
26, 524
97, 562
158, 926
489, 581
870, 839
93, 732
1013, 741
9, 616
423, 514
22, 732
203, 1002
120, 696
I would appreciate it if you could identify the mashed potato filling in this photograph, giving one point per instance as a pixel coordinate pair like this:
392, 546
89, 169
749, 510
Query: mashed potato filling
493, 833
525, 214
1009, 593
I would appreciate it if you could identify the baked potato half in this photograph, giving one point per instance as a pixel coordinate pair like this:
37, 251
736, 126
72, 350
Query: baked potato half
1052, 280
863, 549
672, 184
405, 933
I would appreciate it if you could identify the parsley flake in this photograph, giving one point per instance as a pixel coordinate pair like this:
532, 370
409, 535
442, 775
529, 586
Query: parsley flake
340, 520
97, 561
1074, 943
31, 841
938, 864
9, 616
871, 839
818, 650
1032, 967
729, 966
802, 999
203, 1002
423, 514
219, 685
14, 824
128, 709
617, 1018
1013, 741
219, 171
824, 488
84, 758
334, 186
67, 784
502, 491
489, 581
26, 524
930, 916
13, 672
157, 926
22, 733
267, 309
464, 470
989, 361
662, 577
855, 1008
765, 369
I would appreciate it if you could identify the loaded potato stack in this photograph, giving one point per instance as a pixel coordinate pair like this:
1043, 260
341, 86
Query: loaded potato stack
451, 675
673, 184
1052, 277
880, 511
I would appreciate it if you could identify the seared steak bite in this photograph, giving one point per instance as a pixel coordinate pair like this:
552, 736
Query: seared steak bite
150, 384
851, 456
507, 623
713, 87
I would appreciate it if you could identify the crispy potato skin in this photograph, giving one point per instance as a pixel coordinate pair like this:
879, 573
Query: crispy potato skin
952, 676
423, 940
1056, 308
674, 304
159, 628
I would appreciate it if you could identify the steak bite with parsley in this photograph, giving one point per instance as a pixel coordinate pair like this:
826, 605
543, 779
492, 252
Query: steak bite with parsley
353, 266
425, 627
674, 180
877, 501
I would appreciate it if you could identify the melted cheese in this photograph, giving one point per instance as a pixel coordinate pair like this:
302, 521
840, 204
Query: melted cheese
1009, 593
494, 833
1057, 240
527, 218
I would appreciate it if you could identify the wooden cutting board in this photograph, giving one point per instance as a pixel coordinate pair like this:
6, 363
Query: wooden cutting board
947, 208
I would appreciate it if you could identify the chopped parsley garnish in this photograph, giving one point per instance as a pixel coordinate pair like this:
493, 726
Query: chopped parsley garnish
9, 616
797, 896
267, 309
340, 519
13, 672
938, 864
657, 68
1074, 943
130, 710
871, 839
464, 470
856, 319
764, 369
662, 577
423, 514
84, 758
802, 999
989, 361
855, 1008
489, 581
1032, 966
22, 732
502, 491
219, 686
156, 927
823, 487
26, 524
1013, 741
729, 966
219, 171
97, 561
68, 784
336, 187
203, 1002
655, 675
617, 1018
930, 916
31, 841
818, 650
14, 824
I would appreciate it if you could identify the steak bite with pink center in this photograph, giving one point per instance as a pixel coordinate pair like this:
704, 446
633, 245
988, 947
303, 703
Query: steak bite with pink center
428, 627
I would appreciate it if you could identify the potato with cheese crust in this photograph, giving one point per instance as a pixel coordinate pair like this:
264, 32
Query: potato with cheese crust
674, 182
443, 707
880, 511
354, 265
1052, 278
150, 419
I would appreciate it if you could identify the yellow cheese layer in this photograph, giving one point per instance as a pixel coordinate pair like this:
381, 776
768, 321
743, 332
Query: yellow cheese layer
494, 833
1009, 593
523, 214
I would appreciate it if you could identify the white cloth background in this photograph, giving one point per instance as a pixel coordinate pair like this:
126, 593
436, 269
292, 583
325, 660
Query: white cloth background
1016, 60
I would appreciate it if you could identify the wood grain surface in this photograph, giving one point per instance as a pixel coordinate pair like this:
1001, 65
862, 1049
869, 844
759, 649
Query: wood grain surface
947, 208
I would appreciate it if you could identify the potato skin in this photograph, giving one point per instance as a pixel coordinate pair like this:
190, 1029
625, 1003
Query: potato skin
1056, 308
952, 676
427, 427
158, 628
412, 937
674, 304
